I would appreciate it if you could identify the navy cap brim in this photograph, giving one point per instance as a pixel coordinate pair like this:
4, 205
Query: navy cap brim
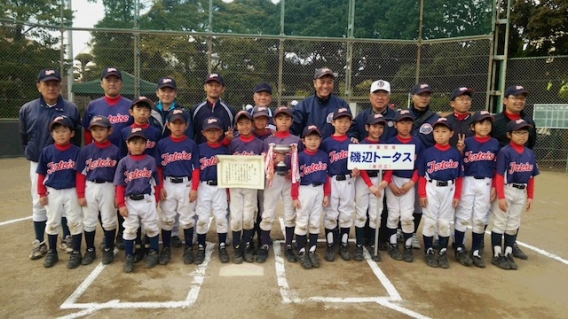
50, 78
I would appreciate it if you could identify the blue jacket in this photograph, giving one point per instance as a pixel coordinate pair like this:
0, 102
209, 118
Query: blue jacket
159, 118
203, 110
358, 131
316, 111
35, 117
422, 126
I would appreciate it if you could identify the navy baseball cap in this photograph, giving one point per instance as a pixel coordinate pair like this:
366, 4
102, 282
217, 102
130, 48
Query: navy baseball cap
516, 125
443, 121
283, 110
259, 111
403, 114
99, 120
61, 120
263, 87
515, 90
243, 114
342, 112
323, 72
167, 82
111, 71
311, 130
462, 91
212, 122
48, 75
479, 116
143, 100
136, 132
421, 88
376, 118
178, 114
215, 77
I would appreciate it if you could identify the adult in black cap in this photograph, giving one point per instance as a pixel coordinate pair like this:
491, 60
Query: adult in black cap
460, 118
424, 118
514, 102
262, 96
34, 120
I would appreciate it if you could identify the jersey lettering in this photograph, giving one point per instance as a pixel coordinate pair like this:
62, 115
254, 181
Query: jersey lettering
337, 156
471, 157
434, 166
521, 167
137, 173
245, 153
119, 118
207, 162
100, 163
312, 168
176, 156
59, 166
150, 144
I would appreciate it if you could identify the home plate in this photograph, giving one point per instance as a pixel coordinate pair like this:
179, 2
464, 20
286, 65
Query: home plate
244, 269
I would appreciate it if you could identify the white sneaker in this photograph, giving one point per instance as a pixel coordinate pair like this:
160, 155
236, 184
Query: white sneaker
415, 242
39, 250
67, 244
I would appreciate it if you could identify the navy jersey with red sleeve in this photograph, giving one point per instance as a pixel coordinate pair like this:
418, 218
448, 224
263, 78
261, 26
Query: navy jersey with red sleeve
207, 153
57, 163
442, 163
515, 167
337, 150
98, 161
152, 133
313, 167
178, 157
282, 138
138, 173
418, 149
479, 156
117, 112
246, 146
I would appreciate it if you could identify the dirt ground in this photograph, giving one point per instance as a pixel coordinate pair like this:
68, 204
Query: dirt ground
278, 289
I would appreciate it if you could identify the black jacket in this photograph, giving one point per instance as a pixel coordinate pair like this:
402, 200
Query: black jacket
499, 130
460, 127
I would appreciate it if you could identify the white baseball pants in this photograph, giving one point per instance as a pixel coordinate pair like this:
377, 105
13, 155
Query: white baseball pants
39, 213
281, 188
364, 201
100, 198
439, 213
177, 202
474, 204
401, 208
509, 222
63, 202
141, 212
209, 198
311, 206
341, 204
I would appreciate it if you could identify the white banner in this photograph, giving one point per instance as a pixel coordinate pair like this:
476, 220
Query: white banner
240, 171
381, 156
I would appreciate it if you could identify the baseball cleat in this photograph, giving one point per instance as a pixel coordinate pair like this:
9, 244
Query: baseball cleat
344, 252
314, 259
329, 252
128, 266
74, 260
305, 261
383, 246
289, 254
249, 253
511, 262
394, 252
138, 253
500, 262
371, 250
478, 261
151, 259
108, 256
462, 257
358, 253
188, 255
443, 261
50, 259
415, 242
200, 256
407, 254
431, 259
262, 254
238, 255
89, 257
518, 253
223, 254
165, 256
38, 250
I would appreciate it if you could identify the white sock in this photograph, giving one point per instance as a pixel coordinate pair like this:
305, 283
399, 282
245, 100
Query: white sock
497, 250
508, 250
330, 237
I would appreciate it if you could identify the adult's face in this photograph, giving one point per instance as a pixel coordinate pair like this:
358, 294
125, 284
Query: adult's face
379, 100
461, 104
166, 95
112, 86
421, 100
262, 98
514, 104
323, 86
213, 90
49, 90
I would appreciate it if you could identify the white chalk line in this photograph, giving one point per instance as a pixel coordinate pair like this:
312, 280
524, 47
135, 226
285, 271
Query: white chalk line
90, 308
14, 220
287, 297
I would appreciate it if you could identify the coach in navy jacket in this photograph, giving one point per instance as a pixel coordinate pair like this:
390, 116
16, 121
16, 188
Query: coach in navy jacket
424, 118
318, 109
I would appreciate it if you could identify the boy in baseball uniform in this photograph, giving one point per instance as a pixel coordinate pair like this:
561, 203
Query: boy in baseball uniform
439, 188
178, 167
369, 192
479, 152
401, 190
514, 182
310, 195
338, 214
96, 166
209, 196
56, 189
279, 186
137, 188
243, 200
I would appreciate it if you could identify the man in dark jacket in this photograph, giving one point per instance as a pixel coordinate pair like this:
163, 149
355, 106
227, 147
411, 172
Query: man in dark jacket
167, 94
34, 119
460, 118
423, 116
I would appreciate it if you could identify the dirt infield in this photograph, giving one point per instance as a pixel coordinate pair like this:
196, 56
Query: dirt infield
278, 289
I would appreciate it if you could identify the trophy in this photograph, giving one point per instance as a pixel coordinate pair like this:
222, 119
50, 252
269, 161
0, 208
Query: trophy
282, 168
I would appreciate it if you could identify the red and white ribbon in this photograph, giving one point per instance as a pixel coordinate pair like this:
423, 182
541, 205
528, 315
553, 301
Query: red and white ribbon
269, 164
294, 164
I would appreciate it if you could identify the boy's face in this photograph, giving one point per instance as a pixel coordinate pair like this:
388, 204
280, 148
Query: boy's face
260, 123
312, 142
177, 128
100, 134
483, 128
136, 145
244, 126
403, 127
375, 131
283, 122
212, 135
442, 134
62, 134
166, 95
519, 137
262, 98
140, 113
341, 124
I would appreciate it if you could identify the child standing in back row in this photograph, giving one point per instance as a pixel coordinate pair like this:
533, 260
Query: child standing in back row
514, 182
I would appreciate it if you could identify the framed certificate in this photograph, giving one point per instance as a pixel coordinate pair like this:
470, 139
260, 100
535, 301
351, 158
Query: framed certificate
240, 171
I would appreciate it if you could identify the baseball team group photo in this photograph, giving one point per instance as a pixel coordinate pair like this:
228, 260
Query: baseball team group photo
318, 189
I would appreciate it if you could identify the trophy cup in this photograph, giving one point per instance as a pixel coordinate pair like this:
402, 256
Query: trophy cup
282, 168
